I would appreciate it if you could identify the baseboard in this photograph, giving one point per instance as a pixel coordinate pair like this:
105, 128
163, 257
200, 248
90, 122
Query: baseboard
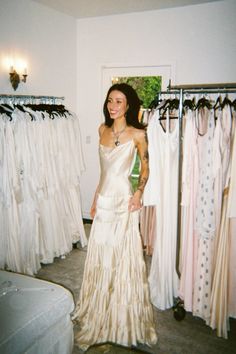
87, 221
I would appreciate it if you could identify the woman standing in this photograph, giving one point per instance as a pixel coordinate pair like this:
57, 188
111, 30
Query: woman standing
114, 303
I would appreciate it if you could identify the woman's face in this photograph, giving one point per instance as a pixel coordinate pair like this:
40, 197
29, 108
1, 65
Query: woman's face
117, 104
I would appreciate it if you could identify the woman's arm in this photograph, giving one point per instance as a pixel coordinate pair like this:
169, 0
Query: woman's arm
142, 147
94, 203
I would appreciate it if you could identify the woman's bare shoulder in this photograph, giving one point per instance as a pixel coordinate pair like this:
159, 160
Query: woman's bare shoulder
138, 134
101, 128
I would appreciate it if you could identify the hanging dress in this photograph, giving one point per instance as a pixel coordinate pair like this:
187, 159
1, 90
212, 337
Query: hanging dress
205, 218
221, 157
25, 194
221, 285
232, 216
40, 209
148, 228
162, 190
114, 301
188, 211
9, 211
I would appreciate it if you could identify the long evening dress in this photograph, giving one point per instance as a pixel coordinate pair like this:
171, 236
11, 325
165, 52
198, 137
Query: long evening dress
114, 303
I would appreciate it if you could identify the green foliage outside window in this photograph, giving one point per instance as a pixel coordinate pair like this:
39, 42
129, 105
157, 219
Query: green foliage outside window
135, 174
145, 86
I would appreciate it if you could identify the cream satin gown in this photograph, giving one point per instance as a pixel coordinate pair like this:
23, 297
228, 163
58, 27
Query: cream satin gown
114, 303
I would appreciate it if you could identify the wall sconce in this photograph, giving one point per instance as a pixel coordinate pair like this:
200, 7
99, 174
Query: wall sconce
15, 77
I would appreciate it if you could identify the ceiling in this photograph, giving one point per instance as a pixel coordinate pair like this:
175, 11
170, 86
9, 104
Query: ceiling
95, 8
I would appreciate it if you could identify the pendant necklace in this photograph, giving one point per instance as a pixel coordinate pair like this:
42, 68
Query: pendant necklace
117, 135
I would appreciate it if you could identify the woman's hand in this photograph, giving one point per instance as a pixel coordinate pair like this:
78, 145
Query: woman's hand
93, 210
94, 204
135, 202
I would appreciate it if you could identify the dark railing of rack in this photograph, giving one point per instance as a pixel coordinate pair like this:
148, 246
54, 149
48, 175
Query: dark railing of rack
30, 97
215, 86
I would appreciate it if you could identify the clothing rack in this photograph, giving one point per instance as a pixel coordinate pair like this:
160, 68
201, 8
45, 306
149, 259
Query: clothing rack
29, 98
40, 169
181, 91
49, 104
216, 86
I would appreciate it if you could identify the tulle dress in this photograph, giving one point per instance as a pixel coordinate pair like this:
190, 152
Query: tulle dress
114, 303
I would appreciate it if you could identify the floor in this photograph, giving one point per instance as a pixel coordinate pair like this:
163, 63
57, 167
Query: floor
188, 336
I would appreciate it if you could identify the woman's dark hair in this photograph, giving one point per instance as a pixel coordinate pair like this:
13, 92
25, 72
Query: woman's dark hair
133, 102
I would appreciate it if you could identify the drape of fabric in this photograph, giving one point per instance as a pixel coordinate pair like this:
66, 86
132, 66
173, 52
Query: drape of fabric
161, 190
41, 165
219, 293
205, 217
148, 228
232, 216
114, 304
221, 289
232, 175
221, 157
232, 269
151, 191
190, 176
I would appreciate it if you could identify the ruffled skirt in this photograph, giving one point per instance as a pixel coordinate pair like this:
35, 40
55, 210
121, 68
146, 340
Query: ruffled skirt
114, 304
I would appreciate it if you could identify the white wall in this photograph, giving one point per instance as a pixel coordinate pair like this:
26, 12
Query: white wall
199, 40
46, 39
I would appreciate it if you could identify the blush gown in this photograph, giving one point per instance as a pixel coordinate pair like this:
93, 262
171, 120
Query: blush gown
114, 304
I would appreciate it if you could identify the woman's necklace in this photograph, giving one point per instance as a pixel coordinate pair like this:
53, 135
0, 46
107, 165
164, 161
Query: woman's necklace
117, 135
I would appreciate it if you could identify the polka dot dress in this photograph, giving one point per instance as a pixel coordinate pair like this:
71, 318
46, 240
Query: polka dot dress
205, 222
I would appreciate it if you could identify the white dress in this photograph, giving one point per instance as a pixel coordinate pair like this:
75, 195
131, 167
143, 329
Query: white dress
232, 216
221, 157
10, 224
163, 278
188, 211
40, 209
223, 285
205, 221
114, 301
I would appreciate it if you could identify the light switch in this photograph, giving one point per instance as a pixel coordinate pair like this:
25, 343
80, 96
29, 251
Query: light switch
88, 139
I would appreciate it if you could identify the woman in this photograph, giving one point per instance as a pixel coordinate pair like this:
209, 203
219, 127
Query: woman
114, 303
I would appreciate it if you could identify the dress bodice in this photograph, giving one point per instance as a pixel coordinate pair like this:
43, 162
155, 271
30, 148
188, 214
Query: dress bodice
116, 167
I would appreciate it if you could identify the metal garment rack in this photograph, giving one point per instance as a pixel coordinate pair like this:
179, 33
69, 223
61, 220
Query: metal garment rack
181, 91
29, 98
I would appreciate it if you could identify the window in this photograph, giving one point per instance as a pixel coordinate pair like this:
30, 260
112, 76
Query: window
145, 86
